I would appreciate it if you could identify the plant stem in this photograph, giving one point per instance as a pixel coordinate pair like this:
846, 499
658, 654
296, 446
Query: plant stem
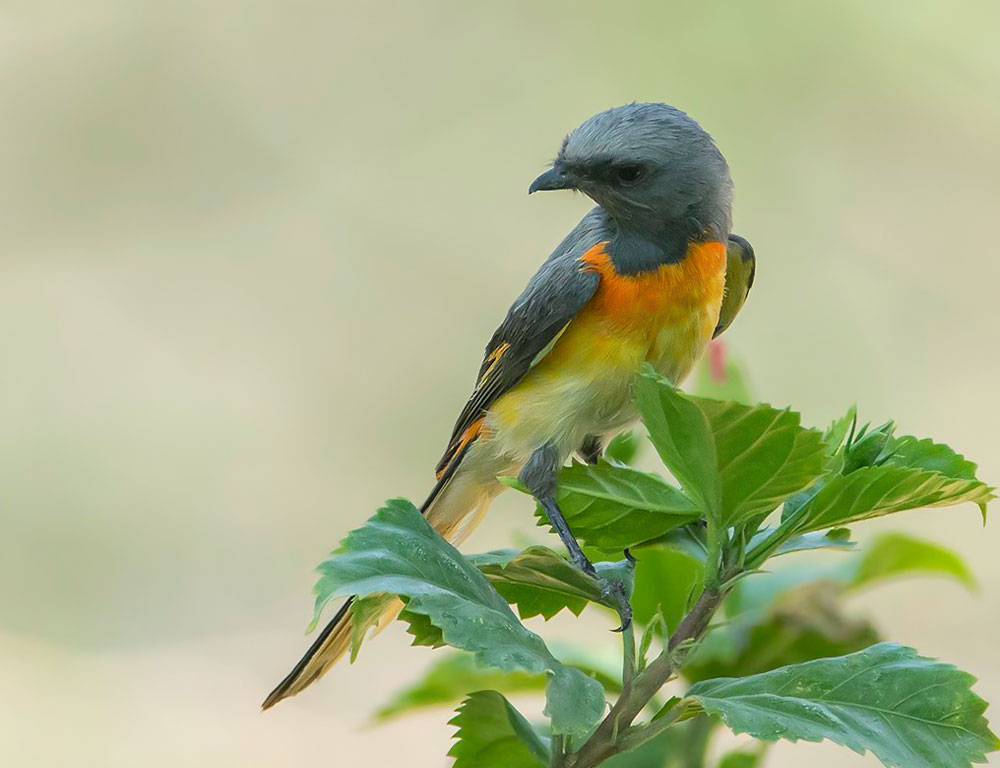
756, 556
713, 560
628, 659
636, 737
614, 734
558, 759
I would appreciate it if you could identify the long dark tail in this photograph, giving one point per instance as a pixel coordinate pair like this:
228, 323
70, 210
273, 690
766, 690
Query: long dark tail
449, 503
330, 645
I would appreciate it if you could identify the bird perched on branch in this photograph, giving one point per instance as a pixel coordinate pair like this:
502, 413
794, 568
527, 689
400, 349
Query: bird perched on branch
649, 275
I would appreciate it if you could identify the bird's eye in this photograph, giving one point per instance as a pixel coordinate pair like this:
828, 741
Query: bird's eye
628, 172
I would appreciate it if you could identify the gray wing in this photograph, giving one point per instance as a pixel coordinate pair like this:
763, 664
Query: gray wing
552, 298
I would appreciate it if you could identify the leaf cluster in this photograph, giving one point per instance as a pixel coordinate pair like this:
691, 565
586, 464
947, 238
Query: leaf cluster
776, 654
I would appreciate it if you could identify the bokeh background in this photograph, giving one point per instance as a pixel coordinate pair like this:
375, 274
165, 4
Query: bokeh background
251, 253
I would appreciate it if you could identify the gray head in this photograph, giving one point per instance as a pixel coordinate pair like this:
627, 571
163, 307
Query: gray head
650, 166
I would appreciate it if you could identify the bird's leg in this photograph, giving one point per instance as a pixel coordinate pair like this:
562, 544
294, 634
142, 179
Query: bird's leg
539, 477
592, 449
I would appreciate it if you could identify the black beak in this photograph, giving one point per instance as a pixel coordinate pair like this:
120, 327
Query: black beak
554, 178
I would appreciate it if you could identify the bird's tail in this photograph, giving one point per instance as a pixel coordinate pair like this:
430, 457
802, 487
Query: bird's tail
454, 508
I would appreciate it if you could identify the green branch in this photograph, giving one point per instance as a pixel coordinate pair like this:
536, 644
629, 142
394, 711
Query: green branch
737, 467
614, 734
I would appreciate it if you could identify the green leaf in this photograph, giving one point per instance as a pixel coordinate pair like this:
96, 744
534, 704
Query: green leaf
742, 759
397, 552
665, 751
754, 596
664, 580
795, 613
764, 456
739, 462
424, 632
681, 434
453, 677
926, 454
365, 615
513, 482
623, 448
909, 711
492, 734
612, 507
655, 627
895, 554
604, 665
835, 538
909, 451
538, 581
889, 474
887, 555
803, 624
541, 583
494, 557
690, 540
875, 491
868, 447
837, 431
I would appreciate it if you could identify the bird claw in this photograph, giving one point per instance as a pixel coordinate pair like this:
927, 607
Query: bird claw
613, 590
616, 593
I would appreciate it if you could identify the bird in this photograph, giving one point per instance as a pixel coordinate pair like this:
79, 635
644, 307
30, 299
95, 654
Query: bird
647, 277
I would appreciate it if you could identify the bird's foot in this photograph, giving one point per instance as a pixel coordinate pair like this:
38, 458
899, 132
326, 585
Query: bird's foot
617, 595
592, 450
616, 580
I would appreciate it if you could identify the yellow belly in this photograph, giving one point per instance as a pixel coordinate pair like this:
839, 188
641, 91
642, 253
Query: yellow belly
584, 384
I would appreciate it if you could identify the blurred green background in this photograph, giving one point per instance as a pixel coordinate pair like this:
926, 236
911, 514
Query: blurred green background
252, 252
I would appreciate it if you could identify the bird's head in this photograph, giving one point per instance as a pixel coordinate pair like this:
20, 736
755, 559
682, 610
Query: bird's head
650, 166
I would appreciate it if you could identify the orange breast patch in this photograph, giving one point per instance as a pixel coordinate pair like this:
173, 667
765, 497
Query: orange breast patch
664, 295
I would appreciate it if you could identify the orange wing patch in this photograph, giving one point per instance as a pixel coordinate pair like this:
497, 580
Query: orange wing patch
460, 442
458, 446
